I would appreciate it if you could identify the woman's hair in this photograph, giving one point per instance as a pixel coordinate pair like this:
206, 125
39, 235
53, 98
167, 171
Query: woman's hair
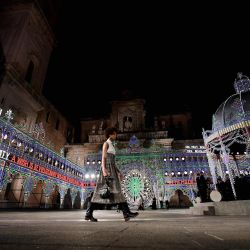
110, 131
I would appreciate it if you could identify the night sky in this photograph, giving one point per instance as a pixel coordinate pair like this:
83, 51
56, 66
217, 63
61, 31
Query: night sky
176, 66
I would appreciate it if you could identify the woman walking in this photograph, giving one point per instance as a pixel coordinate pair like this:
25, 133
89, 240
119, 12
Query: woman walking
110, 176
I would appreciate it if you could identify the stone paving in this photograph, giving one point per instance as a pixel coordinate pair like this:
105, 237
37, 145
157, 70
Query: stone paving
160, 229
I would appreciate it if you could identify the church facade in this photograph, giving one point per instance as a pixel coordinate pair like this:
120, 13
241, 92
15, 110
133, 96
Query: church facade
26, 43
154, 164
33, 169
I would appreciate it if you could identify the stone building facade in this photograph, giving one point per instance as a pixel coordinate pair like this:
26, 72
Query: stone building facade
154, 163
128, 115
26, 41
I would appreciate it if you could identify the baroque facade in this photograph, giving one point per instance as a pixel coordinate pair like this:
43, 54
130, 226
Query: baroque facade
26, 41
128, 115
33, 169
153, 163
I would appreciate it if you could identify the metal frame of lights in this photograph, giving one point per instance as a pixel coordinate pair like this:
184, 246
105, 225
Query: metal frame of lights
228, 129
218, 143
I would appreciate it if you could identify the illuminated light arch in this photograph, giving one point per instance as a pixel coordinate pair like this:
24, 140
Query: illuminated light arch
137, 187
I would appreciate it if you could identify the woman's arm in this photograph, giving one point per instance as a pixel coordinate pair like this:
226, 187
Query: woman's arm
104, 157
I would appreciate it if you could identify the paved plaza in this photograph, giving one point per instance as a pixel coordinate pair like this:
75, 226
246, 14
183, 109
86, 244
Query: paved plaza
160, 229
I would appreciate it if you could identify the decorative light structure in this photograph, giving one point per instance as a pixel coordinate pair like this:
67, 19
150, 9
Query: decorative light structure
9, 115
231, 125
136, 186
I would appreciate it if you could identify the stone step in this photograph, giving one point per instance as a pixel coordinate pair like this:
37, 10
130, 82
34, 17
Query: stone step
210, 211
237, 207
202, 209
204, 204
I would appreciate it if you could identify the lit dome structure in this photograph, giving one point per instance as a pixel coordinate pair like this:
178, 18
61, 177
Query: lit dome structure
236, 108
230, 125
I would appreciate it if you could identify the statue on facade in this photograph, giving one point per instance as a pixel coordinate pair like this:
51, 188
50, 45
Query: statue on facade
62, 152
93, 129
127, 123
100, 128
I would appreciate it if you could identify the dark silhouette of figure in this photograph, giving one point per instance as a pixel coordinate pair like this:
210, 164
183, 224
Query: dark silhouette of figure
77, 201
238, 188
141, 206
161, 204
242, 187
67, 204
154, 203
221, 188
7, 191
167, 204
228, 190
246, 187
58, 200
202, 186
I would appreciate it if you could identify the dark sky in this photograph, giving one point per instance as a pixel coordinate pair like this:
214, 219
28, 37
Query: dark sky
175, 62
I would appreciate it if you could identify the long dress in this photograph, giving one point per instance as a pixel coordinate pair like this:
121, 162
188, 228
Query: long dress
114, 182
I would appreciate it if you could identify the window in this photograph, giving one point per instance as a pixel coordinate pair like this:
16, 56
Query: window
29, 72
69, 135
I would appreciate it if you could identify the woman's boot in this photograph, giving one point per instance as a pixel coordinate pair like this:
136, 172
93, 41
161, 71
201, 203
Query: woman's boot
89, 213
131, 214
127, 214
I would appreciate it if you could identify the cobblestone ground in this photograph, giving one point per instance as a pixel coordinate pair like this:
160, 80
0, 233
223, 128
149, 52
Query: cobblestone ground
158, 229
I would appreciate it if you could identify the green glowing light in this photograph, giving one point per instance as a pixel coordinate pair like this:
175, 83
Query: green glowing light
135, 186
